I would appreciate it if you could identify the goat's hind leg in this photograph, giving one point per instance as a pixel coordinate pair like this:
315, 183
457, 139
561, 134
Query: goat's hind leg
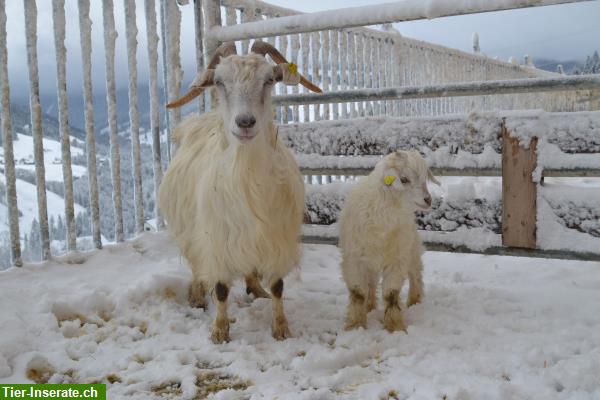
253, 286
279, 326
197, 294
220, 331
415, 279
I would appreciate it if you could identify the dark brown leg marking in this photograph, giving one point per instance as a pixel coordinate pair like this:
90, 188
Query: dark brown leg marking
391, 299
277, 288
222, 291
357, 296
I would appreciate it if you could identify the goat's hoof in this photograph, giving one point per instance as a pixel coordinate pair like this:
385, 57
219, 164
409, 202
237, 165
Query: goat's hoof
350, 325
196, 296
371, 306
412, 300
393, 319
220, 332
281, 331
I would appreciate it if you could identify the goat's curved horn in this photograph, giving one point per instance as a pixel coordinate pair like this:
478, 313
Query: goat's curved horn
264, 48
205, 79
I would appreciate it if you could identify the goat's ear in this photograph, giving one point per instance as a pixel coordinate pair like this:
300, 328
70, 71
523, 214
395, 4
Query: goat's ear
199, 84
286, 73
432, 178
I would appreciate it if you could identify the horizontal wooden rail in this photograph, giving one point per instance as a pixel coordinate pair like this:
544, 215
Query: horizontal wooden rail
408, 10
557, 173
512, 86
494, 250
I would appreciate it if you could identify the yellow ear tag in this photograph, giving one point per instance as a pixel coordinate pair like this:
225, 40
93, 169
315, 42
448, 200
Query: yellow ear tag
293, 68
389, 179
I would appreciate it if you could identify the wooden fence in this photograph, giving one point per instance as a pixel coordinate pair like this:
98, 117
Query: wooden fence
340, 56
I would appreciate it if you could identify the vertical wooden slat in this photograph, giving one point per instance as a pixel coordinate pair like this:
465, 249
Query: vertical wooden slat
199, 32
295, 49
369, 70
315, 46
335, 69
325, 70
85, 33
360, 69
519, 192
174, 74
165, 75
352, 69
131, 32
344, 68
211, 9
376, 59
283, 44
36, 123
248, 14
7, 144
110, 36
305, 39
59, 23
152, 39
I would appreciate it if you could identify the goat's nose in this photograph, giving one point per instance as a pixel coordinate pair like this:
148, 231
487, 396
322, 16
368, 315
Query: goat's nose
428, 200
245, 121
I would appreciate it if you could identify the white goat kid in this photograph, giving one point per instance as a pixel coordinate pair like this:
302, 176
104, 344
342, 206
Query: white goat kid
233, 195
378, 237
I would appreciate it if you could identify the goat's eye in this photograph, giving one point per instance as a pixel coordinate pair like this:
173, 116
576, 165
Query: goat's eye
404, 180
269, 81
219, 83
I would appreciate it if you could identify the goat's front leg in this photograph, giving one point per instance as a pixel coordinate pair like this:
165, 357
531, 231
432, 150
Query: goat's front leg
356, 278
253, 286
220, 331
279, 326
393, 317
372, 295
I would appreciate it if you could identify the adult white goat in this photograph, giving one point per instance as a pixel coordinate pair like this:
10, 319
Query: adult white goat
233, 196
378, 236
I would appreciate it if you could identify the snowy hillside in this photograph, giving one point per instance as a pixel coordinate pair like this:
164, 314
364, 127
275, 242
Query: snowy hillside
489, 328
23, 151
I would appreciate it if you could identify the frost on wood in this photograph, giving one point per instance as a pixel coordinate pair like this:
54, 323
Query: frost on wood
567, 141
134, 118
174, 71
110, 35
152, 39
59, 24
85, 33
36, 123
7, 144
470, 209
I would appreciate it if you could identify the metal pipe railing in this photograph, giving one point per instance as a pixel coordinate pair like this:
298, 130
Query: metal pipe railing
408, 10
581, 82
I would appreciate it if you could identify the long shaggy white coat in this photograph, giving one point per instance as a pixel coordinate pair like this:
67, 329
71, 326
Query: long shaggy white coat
233, 210
378, 237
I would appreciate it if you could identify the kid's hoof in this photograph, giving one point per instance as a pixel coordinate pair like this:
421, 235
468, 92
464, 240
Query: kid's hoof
393, 320
412, 300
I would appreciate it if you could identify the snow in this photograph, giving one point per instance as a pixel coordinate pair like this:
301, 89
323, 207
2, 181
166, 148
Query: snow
23, 150
27, 202
489, 327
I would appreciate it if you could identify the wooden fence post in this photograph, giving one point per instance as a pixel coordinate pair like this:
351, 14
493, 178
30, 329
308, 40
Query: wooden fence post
519, 192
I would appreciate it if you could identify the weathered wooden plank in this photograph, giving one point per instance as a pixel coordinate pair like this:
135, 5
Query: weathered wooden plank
519, 192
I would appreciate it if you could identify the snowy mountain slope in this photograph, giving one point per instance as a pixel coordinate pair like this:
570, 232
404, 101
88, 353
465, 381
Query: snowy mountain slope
490, 327
23, 151
27, 201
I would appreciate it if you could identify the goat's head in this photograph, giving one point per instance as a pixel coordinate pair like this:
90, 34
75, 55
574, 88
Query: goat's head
406, 173
244, 86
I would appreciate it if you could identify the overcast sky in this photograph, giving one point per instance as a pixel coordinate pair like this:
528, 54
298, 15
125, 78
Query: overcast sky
562, 32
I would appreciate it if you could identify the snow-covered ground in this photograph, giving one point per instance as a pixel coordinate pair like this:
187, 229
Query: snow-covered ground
489, 328
23, 151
